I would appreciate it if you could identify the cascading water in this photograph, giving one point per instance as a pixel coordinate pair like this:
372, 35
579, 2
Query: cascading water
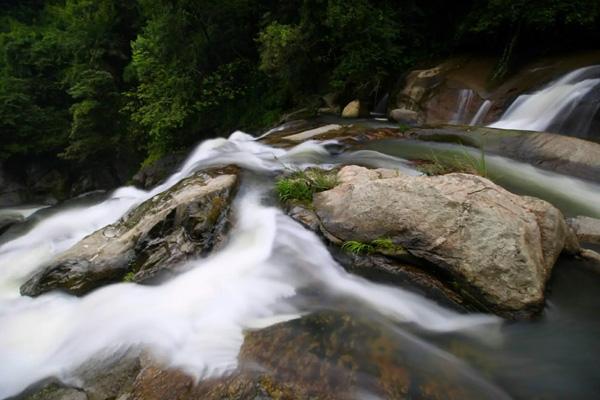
570, 106
481, 113
195, 321
465, 97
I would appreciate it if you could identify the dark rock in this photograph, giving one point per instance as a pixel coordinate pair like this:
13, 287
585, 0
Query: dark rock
8, 220
155, 173
95, 380
186, 220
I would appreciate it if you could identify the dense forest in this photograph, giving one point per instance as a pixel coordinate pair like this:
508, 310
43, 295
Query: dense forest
88, 80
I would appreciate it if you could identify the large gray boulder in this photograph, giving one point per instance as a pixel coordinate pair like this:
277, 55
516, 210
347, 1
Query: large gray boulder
183, 221
498, 246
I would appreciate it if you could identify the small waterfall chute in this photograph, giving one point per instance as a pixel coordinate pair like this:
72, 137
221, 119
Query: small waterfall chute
483, 111
465, 97
569, 105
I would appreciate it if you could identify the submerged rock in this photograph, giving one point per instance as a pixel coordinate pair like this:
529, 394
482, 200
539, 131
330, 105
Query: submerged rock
95, 380
183, 221
328, 355
498, 247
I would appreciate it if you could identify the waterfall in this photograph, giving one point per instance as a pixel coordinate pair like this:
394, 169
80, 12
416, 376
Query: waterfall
465, 96
568, 105
380, 109
481, 113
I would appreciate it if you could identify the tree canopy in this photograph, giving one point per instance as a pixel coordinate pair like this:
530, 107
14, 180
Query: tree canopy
87, 79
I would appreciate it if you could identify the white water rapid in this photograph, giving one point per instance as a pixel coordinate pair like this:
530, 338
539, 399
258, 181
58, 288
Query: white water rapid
563, 106
195, 321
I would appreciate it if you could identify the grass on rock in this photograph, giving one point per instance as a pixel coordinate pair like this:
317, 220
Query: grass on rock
383, 245
301, 185
465, 163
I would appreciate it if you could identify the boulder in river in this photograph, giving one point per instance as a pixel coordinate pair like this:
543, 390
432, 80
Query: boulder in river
186, 220
354, 109
405, 116
498, 247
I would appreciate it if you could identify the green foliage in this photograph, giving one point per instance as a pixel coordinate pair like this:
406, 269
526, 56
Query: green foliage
355, 247
383, 245
129, 277
403, 128
91, 80
293, 189
301, 185
279, 44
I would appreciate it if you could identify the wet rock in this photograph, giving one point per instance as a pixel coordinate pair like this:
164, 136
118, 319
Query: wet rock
499, 246
403, 115
55, 391
587, 229
9, 219
153, 174
328, 355
186, 220
95, 380
562, 154
305, 135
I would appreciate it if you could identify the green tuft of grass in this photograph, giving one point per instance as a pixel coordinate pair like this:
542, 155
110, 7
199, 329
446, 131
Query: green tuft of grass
293, 189
382, 245
403, 128
356, 247
301, 185
465, 163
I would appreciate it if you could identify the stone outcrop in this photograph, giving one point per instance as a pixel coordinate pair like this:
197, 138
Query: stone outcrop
498, 246
587, 229
559, 153
186, 220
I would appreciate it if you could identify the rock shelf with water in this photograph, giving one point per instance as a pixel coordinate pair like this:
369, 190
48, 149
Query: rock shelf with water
163, 231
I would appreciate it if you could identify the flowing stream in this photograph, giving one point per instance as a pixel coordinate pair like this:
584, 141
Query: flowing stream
195, 321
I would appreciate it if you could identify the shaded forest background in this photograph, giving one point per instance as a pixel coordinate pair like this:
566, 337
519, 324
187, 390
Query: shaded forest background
86, 81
